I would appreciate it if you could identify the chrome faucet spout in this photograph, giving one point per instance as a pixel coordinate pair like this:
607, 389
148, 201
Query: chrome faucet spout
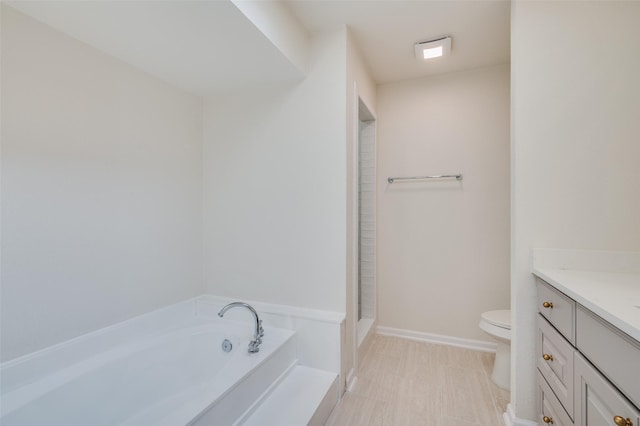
254, 345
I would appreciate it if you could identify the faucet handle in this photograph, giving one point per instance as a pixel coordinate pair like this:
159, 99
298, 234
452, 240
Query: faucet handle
254, 346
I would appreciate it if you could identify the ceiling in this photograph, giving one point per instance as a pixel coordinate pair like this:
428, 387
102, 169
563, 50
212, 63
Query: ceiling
386, 31
201, 46
212, 46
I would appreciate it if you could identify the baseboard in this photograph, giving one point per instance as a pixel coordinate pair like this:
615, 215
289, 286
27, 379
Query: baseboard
478, 345
351, 380
510, 418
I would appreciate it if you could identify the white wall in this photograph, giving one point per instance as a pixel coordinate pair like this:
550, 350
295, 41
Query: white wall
278, 24
274, 188
443, 246
101, 189
576, 153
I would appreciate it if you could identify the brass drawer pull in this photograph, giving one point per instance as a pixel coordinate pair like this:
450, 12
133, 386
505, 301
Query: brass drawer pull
619, 421
547, 305
547, 357
547, 420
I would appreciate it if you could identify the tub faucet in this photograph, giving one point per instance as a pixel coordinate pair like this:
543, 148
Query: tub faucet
254, 345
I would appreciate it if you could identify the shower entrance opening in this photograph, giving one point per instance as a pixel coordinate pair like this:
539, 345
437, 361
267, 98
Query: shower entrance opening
366, 221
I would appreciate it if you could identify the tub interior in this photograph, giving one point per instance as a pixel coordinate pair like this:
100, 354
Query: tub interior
121, 383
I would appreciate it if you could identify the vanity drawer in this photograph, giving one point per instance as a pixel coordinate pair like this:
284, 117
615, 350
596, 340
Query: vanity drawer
599, 402
554, 357
614, 353
550, 411
557, 308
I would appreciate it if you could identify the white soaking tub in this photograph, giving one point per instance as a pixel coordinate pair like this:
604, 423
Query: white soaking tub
174, 376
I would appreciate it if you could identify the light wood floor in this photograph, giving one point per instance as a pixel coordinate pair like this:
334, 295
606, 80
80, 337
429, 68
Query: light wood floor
403, 382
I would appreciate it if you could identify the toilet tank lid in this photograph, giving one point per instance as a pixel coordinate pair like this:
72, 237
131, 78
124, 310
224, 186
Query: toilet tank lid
499, 318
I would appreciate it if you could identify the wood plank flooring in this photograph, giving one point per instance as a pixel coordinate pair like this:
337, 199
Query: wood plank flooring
404, 382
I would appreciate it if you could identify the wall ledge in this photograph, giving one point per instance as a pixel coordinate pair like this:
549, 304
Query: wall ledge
275, 309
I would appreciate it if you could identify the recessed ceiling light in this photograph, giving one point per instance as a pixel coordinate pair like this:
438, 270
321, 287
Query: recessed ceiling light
433, 52
433, 48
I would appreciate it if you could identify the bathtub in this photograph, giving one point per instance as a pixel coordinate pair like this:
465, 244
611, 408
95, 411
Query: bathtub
176, 375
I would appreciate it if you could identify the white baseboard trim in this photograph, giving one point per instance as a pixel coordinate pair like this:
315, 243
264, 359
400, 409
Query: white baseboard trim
510, 418
507, 419
352, 385
478, 345
351, 380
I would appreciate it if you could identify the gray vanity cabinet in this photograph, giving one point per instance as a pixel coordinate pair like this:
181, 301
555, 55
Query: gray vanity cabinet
588, 370
551, 410
600, 404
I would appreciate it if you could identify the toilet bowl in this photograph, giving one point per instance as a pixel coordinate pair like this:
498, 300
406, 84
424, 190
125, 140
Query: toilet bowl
498, 325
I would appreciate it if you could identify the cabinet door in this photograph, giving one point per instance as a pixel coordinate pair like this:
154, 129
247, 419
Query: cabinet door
598, 402
550, 411
555, 362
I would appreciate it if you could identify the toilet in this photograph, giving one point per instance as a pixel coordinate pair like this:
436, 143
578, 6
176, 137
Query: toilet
498, 325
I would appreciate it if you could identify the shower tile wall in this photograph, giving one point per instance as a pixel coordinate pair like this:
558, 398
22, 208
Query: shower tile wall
367, 227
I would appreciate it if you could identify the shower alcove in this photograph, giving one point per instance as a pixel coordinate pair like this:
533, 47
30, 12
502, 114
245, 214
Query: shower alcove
366, 221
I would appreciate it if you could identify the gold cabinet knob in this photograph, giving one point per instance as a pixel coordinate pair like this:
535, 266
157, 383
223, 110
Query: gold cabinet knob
547, 420
621, 421
547, 305
547, 357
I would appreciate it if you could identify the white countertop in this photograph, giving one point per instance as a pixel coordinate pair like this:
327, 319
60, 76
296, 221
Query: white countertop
614, 296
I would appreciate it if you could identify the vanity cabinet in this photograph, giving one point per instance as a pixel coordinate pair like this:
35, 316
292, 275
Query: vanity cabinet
600, 403
555, 363
558, 309
551, 410
614, 353
588, 371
